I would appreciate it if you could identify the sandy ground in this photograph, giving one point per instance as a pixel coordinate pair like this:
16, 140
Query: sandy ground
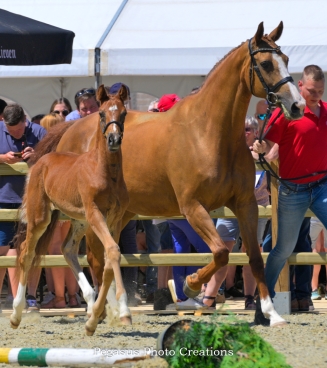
302, 341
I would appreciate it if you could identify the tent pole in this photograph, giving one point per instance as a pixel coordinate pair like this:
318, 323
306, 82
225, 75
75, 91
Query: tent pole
97, 50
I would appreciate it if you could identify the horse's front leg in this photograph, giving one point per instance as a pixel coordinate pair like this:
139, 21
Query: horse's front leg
201, 222
247, 215
111, 270
70, 249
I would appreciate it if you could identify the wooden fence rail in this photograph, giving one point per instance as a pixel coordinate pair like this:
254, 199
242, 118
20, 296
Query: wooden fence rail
133, 260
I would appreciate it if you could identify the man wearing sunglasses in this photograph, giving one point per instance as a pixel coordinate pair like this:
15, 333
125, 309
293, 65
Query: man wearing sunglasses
86, 104
261, 112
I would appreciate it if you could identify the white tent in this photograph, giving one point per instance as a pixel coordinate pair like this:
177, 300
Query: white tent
157, 46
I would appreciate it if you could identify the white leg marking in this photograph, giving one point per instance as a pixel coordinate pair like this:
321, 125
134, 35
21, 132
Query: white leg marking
267, 308
18, 305
88, 292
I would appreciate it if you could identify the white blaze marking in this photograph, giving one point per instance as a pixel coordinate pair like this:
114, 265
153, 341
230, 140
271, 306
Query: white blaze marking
113, 108
284, 73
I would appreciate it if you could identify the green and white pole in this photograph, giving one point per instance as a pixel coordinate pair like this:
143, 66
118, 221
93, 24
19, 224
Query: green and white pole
77, 357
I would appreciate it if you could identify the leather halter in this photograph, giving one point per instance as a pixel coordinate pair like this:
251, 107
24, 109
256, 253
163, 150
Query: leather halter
104, 126
271, 96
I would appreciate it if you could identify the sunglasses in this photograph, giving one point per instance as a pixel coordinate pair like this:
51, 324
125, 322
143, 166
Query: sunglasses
63, 112
90, 91
247, 129
261, 116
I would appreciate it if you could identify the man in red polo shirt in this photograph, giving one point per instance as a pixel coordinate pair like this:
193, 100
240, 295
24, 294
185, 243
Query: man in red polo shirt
303, 168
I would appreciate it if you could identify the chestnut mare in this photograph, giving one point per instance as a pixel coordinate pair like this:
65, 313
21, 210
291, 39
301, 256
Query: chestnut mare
193, 158
90, 189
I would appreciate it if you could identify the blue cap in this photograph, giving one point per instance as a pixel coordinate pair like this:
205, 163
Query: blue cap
116, 87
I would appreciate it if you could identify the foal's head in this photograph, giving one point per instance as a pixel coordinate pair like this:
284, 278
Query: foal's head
112, 116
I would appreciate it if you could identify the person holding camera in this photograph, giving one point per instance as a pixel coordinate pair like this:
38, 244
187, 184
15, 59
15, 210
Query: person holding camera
18, 136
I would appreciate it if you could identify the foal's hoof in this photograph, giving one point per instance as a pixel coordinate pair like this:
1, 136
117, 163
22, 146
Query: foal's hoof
126, 321
89, 332
14, 323
190, 292
279, 324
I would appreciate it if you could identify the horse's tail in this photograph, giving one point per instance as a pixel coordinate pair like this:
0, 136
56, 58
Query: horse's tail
50, 142
20, 237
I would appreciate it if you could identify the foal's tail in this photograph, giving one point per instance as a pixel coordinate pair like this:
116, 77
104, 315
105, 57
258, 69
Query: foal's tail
50, 142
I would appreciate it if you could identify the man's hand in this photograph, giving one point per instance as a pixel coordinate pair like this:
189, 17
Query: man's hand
259, 147
10, 158
27, 153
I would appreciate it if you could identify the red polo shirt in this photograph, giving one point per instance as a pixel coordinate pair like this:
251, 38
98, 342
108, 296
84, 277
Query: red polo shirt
302, 144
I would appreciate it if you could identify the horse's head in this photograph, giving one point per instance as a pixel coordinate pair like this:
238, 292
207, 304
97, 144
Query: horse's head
269, 77
112, 115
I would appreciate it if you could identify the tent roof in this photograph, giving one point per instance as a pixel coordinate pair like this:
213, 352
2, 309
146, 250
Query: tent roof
88, 20
187, 37
181, 37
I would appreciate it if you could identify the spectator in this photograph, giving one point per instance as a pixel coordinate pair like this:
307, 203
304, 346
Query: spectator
17, 139
86, 104
37, 118
61, 106
318, 235
59, 277
261, 113
3, 104
303, 168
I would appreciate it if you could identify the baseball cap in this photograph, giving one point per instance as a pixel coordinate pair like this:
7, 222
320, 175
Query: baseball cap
116, 87
166, 102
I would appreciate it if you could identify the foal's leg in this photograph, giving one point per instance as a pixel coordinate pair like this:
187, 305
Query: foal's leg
33, 234
111, 268
201, 222
70, 251
247, 215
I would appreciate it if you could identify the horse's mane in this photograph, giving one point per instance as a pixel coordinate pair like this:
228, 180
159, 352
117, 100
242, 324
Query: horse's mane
50, 142
216, 66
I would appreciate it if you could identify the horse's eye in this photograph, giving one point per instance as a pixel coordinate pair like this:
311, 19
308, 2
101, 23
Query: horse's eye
267, 66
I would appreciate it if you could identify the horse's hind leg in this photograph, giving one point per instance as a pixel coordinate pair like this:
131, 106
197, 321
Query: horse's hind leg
70, 249
247, 215
201, 222
33, 234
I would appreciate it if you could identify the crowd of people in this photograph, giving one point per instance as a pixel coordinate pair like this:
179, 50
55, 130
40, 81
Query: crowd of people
299, 146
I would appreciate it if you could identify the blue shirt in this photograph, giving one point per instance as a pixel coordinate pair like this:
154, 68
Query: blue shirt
12, 186
74, 115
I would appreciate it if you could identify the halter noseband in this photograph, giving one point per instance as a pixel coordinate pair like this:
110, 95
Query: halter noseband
271, 96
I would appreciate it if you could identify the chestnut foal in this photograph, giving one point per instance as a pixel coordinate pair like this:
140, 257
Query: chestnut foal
90, 189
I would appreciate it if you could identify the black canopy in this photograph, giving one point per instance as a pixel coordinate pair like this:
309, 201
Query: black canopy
25, 41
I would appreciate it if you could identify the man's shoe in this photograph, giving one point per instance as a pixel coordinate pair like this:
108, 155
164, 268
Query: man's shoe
315, 295
162, 298
311, 306
234, 292
249, 303
303, 305
31, 303
294, 305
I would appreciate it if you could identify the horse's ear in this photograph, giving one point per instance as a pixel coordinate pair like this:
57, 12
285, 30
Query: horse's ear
259, 33
277, 32
123, 93
102, 94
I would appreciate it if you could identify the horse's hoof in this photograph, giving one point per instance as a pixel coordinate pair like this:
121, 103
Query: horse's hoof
190, 292
88, 331
126, 320
279, 324
14, 325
